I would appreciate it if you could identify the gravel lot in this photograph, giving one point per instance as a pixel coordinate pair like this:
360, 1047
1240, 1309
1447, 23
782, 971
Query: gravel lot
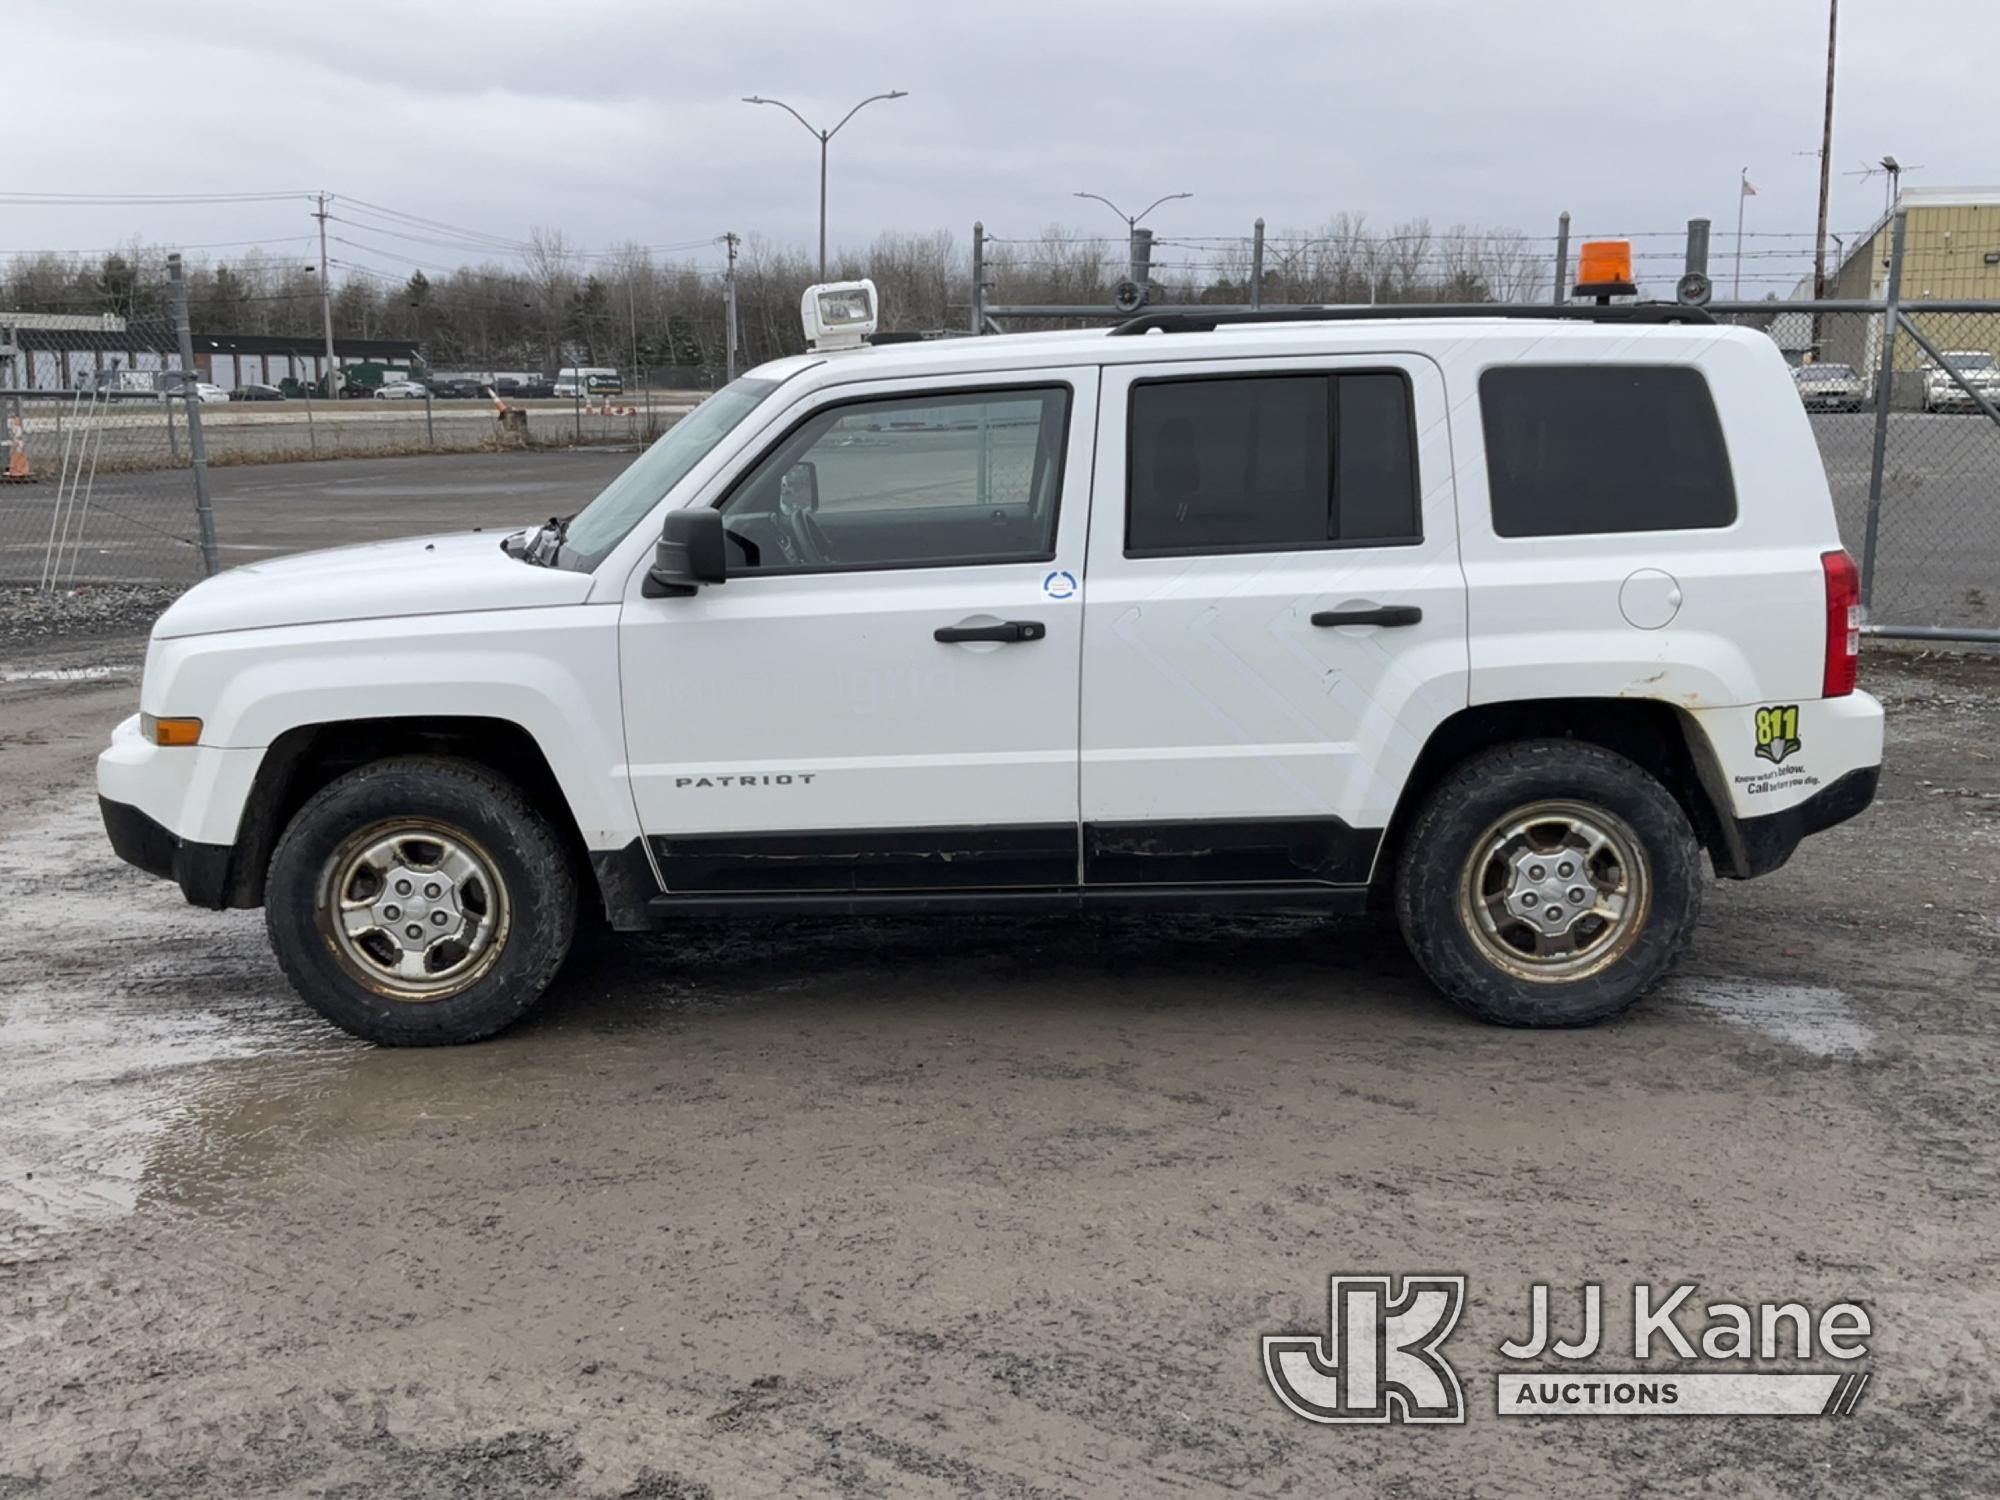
990, 1208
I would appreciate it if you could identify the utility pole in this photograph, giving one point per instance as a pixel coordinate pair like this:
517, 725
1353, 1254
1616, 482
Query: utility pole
729, 309
197, 448
1697, 247
978, 276
1825, 159
1743, 192
326, 304
632, 315
1562, 260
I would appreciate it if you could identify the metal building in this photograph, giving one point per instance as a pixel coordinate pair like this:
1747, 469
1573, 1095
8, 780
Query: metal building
1951, 251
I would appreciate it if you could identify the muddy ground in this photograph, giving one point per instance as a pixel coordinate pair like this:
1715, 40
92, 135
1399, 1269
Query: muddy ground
992, 1208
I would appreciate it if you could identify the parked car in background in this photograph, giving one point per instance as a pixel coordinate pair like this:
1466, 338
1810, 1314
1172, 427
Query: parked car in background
401, 390
204, 392
1981, 372
458, 388
1829, 387
537, 389
256, 391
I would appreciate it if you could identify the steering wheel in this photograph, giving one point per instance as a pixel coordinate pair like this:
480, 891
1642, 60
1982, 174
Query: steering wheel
807, 537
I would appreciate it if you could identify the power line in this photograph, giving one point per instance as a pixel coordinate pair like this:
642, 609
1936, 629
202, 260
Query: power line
116, 200
142, 249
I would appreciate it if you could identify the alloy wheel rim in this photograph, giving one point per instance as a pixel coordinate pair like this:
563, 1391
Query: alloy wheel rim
413, 909
1555, 891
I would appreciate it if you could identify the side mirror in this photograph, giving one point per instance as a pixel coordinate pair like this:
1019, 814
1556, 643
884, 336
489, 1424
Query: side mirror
799, 489
688, 554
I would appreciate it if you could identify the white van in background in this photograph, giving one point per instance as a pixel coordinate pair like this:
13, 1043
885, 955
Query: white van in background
588, 380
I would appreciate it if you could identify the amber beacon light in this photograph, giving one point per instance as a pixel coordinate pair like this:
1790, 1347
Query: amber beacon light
1604, 269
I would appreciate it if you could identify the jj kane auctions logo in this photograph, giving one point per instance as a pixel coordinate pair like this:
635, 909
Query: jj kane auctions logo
1381, 1359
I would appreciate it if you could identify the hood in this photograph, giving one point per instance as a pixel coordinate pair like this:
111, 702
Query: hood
415, 576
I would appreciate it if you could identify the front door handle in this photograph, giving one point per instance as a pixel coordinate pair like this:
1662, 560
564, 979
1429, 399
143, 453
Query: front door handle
1386, 614
1006, 630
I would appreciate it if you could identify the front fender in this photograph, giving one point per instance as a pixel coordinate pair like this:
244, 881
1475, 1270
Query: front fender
552, 671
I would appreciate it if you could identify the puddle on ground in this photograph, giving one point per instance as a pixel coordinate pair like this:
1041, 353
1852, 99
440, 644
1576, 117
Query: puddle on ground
121, 1010
1814, 1018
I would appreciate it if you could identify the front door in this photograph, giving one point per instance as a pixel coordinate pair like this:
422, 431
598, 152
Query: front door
1276, 617
883, 695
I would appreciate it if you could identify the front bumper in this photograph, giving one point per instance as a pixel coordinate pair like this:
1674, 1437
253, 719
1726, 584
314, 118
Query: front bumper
1957, 398
176, 813
204, 872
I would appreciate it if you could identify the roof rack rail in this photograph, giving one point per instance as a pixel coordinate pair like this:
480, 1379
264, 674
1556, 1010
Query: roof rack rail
1198, 320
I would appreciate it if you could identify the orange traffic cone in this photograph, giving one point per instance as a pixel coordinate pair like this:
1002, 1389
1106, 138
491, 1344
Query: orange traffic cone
18, 471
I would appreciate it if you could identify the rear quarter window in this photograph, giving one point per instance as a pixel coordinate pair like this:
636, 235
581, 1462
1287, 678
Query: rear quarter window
1591, 449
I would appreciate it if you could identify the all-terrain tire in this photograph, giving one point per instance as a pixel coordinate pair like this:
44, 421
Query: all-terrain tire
1481, 793
522, 851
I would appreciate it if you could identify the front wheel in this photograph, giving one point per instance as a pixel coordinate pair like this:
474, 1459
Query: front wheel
420, 902
1548, 883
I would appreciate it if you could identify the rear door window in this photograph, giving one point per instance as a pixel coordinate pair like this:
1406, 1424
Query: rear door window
1271, 463
1590, 449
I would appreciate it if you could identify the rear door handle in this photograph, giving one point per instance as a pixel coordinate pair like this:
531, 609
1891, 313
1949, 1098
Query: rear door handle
1386, 614
1006, 630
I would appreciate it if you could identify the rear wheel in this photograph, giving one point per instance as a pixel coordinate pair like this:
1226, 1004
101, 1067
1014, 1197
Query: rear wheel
1548, 883
420, 901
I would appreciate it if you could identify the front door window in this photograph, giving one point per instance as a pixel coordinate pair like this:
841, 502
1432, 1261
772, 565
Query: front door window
939, 480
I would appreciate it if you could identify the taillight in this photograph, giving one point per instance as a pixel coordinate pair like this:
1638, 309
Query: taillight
1843, 624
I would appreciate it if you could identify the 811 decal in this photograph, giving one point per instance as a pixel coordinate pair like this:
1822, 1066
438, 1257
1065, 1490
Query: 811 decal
1778, 732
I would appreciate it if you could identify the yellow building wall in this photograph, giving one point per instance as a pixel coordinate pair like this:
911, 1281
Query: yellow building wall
1944, 258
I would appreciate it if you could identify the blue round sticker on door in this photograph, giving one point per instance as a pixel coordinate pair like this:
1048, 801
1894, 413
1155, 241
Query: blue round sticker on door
1059, 584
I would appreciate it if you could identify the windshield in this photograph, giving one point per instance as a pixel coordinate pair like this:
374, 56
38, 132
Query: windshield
1969, 359
602, 524
1828, 372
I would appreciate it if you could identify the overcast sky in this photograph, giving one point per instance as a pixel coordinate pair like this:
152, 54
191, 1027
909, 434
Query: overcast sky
622, 121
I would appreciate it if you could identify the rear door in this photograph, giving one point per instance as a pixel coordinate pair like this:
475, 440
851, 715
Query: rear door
1275, 617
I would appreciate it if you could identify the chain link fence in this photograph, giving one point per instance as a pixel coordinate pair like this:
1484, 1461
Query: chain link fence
94, 478
303, 428
1915, 477
1920, 469
1935, 558
97, 486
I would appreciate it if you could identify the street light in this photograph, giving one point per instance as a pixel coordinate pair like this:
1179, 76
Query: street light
824, 136
1132, 220
1137, 262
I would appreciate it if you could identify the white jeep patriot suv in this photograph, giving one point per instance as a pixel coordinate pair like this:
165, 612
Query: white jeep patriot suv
1501, 619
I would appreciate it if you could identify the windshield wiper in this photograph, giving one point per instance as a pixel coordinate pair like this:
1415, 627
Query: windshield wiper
541, 545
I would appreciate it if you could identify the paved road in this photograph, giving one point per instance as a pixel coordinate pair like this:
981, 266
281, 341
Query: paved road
288, 507
140, 526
